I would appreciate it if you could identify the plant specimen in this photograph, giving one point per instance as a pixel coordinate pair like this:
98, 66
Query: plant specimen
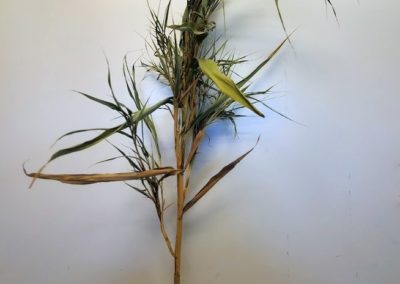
193, 62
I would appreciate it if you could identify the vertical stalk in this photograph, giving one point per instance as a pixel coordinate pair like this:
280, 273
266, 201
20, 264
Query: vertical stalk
184, 110
179, 151
179, 230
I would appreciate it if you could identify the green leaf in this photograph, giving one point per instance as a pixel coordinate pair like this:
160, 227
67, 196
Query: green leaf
262, 64
120, 106
280, 15
135, 118
100, 101
277, 5
130, 82
225, 84
87, 130
76, 132
129, 159
89, 143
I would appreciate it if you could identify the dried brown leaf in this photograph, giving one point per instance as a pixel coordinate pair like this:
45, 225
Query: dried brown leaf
214, 180
195, 145
106, 177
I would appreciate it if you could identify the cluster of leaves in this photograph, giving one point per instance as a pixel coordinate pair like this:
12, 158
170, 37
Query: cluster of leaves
145, 163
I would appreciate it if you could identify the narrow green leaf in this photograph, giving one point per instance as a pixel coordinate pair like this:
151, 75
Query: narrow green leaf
100, 101
225, 84
262, 64
129, 77
87, 144
166, 15
76, 132
277, 5
118, 104
141, 191
107, 160
129, 159
87, 130
280, 15
135, 118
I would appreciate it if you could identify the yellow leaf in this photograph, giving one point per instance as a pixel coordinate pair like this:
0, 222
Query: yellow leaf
225, 84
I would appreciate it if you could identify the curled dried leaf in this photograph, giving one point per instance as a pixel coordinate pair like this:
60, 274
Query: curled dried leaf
106, 177
215, 179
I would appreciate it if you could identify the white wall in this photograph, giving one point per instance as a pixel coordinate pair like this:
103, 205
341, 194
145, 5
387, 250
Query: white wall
314, 204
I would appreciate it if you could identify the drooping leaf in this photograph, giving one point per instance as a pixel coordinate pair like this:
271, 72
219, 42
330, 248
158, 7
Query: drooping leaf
89, 143
225, 84
135, 118
81, 179
76, 132
215, 179
100, 101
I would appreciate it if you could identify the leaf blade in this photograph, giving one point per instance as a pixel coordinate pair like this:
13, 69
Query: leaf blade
225, 84
215, 179
97, 100
87, 144
82, 179
136, 117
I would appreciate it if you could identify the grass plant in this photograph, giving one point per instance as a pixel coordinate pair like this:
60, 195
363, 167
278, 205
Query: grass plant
194, 63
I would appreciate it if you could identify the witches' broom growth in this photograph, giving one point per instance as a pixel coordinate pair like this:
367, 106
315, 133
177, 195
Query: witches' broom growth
198, 70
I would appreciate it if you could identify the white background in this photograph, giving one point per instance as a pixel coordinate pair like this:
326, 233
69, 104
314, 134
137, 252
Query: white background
317, 203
